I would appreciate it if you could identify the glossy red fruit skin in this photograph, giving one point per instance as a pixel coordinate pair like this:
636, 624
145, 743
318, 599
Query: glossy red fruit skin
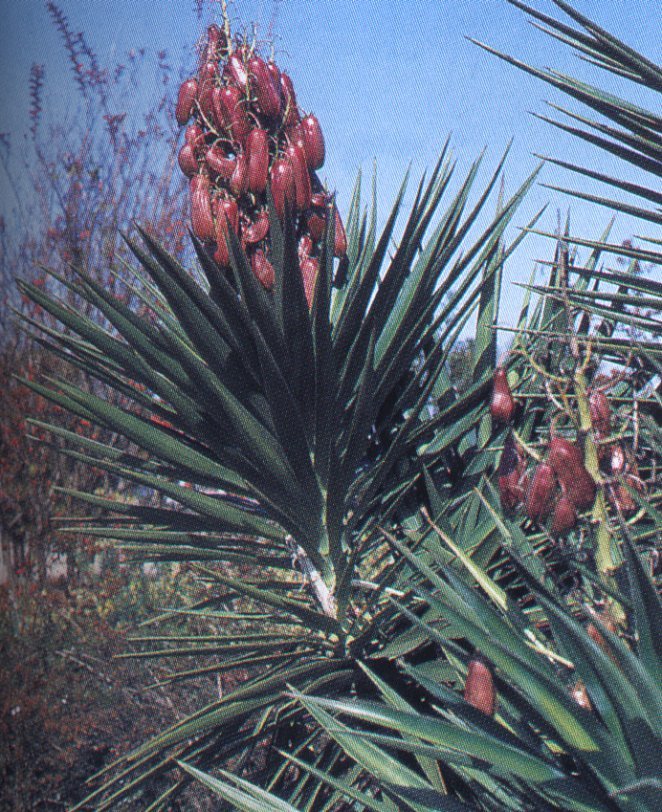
580, 695
291, 115
187, 161
202, 219
231, 113
339, 237
541, 492
567, 460
263, 269
313, 141
188, 91
236, 70
219, 163
309, 270
316, 223
282, 185
564, 517
216, 43
268, 94
302, 189
600, 411
239, 178
257, 152
479, 689
617, 459
206, 84
502, 404
257, 230
227, 216
194, 136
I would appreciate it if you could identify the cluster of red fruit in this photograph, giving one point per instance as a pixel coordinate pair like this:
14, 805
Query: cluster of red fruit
246, 133
560, 486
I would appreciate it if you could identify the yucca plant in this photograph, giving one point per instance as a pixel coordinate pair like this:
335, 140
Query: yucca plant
280, 438
316, 466
537, 684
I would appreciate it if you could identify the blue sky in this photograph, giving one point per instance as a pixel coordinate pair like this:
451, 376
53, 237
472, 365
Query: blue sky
388, 80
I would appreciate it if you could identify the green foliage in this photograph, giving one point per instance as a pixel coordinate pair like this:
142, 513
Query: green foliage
336, 495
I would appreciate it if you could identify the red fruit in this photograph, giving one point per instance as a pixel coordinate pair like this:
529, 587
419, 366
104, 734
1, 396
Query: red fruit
187, 161
235, 69
602, 621
227, 216
567, 460
274, 72
206, 85
219, 162
564, 517
291, 111
188, 91
216, 42
510, 475
541, 492
309, 270
231, 114
502, 405
339, 238
282, 185
268, 94
239, 178
600, 411
263, 269
479, 689
201, 213
302, 188
258, 230
316, 224
257, 152
194, 136
305, 247
563, 454
313, 141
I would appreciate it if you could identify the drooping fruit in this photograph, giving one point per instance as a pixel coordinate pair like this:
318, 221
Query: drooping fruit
230, 112
188, 91
235, 69
302, 190
257, 230
290, 109
257, 152
502, 405
600, 411
567, 460
239, 178
202, 219
208, 78
220, 163
479, 689
339, 237
564, 517
541, 492
595, 630
227, 217
309, 270
263, 269
316, 223
268, 94
510, 475
187, 161
282, 185
313, 141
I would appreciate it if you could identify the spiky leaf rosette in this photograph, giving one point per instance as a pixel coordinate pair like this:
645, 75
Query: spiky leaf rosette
279, 437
